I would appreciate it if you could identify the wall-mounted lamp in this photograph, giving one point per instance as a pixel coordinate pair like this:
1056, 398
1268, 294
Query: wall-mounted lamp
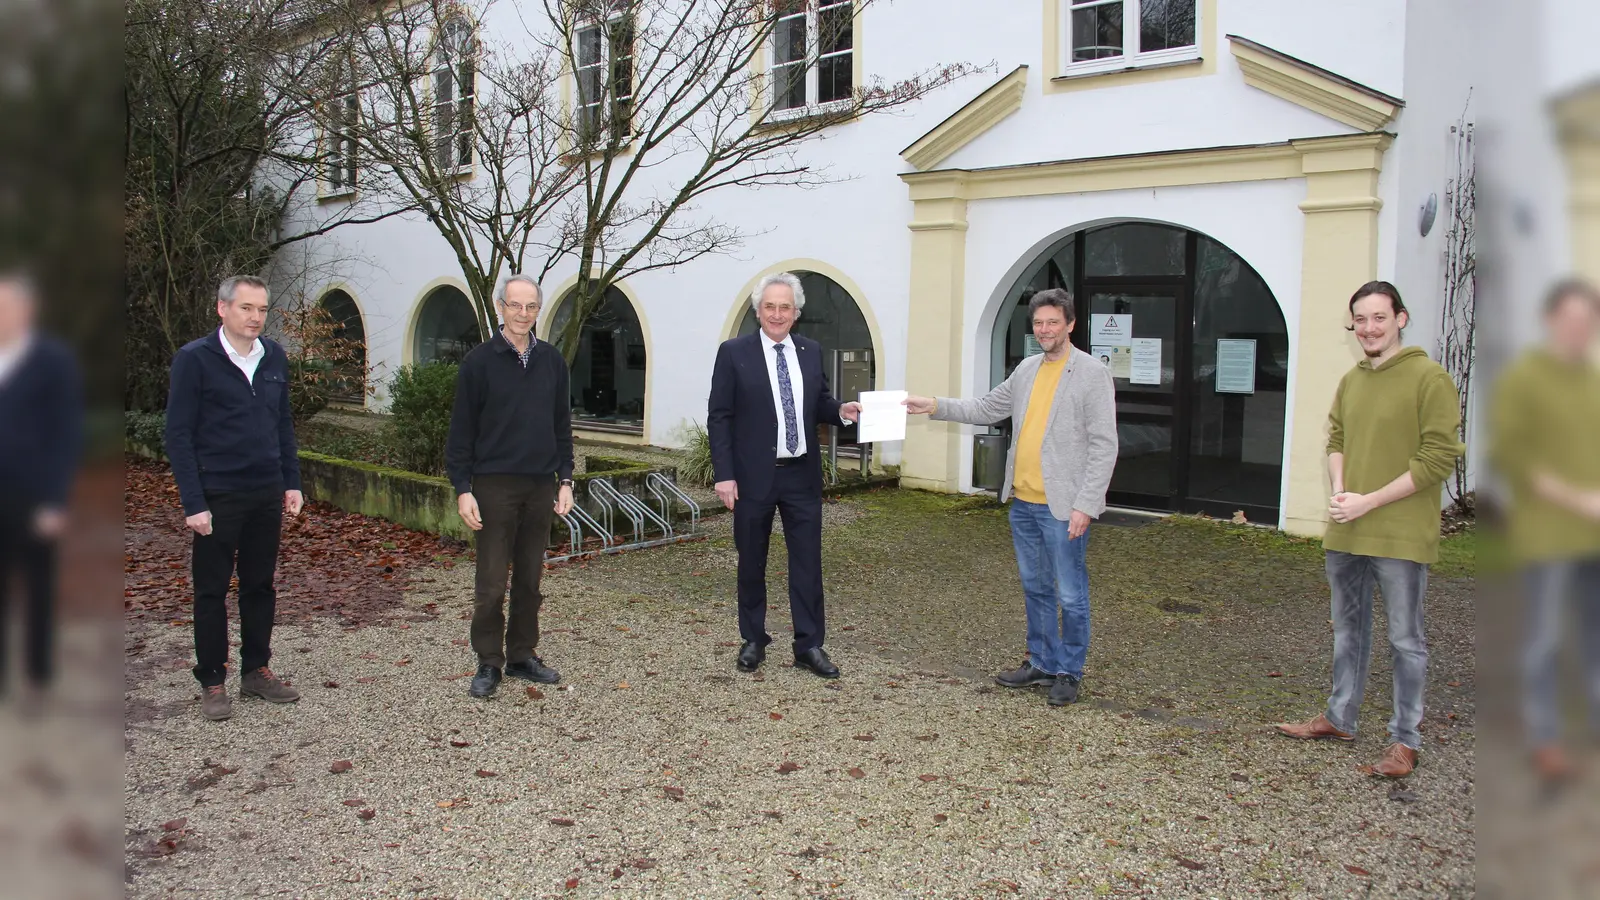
1429, 212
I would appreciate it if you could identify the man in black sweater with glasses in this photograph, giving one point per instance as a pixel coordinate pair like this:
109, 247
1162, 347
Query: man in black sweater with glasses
509, 456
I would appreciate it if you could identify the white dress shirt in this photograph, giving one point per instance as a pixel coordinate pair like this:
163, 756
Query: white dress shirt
246, 364
796, 382
11, 357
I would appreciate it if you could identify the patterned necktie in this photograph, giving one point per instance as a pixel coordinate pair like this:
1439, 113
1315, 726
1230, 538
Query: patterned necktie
791, 428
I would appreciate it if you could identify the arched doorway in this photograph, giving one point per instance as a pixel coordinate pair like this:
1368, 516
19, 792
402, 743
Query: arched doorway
349, 381
833, 319
447, 327
608, 374
1199, 352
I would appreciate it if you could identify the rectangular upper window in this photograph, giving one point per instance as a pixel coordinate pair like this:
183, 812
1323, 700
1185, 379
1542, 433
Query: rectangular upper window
1109, 35
812, 55
455, 76
343, 114
604, 71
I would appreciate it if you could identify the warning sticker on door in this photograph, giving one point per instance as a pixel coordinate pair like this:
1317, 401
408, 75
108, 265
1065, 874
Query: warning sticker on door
1111, 329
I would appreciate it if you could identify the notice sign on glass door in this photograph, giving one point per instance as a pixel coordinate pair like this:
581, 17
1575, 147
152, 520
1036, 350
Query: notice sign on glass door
1236, 366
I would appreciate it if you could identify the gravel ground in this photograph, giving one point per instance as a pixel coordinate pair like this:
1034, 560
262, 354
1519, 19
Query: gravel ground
656, 769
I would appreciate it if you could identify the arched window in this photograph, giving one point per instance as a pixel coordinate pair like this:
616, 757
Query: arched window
608, 372
350, 383
447, 327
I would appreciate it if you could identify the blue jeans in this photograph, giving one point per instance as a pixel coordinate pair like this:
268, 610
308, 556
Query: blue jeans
1403, 584
1055, 576
1550, 587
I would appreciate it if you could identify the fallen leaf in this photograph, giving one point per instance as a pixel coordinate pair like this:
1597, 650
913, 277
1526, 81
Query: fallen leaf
572, 884
1401, 795
564, 823
1356, 870
330, 684
445, 804
461, 743
857, 773
616, 872
622, 685
391, 845
355, 801
341, 765
1238, 517
865, 737
1190, 864
928, 777
788, 767
485, 773
366, 814
775, 716
534, 693
940, 818
1453, 683
927, 737
675, 793
175, 825
644, 863
365, 679
1274, 674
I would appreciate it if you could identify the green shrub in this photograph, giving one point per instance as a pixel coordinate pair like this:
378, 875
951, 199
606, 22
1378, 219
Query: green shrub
420, 397
145, 430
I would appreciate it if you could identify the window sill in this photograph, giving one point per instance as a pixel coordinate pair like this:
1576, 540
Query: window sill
331, 196
838, 115
1096, 71
626, 150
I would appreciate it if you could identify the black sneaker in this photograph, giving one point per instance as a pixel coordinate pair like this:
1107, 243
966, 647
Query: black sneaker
484, 683
533, 669
1027, 674
1064, 691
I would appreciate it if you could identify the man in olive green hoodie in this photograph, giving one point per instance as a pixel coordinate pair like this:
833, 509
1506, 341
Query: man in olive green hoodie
1545, 422
1391, 444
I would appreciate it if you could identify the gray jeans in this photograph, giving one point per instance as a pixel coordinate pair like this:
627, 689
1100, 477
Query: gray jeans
1550, 587
1403, 584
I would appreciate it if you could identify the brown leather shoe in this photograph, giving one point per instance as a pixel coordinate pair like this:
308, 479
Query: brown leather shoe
262, 683
1397, 762
1318, 729
1552, 764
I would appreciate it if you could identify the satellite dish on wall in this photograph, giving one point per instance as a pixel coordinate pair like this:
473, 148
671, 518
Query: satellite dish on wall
1430, 211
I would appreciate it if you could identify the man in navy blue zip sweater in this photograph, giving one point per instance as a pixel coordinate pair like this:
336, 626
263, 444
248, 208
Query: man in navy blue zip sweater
230, 439
41, 435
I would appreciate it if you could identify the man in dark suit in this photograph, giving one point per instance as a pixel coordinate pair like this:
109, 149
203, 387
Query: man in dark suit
768, 392
41, 406
230, 440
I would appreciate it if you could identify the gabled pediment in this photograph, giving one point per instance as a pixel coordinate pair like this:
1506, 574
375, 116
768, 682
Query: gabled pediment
1313, 87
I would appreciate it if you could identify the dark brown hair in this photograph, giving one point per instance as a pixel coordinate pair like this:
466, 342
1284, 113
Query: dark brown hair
1060, 298
1379, 287
1571, 289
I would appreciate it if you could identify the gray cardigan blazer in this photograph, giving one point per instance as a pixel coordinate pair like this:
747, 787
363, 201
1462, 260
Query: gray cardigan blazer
1080, 438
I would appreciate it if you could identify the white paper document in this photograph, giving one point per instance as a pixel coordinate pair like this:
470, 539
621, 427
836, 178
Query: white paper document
882, 417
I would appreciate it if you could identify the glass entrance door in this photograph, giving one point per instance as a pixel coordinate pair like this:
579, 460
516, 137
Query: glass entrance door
1134, 332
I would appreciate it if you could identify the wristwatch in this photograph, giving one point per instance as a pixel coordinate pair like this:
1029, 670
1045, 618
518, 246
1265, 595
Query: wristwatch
565, 482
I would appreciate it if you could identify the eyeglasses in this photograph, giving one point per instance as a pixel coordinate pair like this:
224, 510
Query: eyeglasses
520, 308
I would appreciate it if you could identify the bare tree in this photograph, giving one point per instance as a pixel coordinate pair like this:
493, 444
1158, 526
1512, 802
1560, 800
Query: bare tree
217, 155
593, 133
1458, 312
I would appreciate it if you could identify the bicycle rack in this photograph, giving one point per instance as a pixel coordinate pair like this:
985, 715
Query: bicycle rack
613, 503
667, 493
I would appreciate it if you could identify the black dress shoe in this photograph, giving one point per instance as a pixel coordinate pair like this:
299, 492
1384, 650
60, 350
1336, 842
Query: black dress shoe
816, 659
484, 683
533, 669
750, 656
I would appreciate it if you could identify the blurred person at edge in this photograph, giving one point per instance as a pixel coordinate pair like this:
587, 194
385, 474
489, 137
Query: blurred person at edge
230, 440
1545, 425
1392, 441
41, 439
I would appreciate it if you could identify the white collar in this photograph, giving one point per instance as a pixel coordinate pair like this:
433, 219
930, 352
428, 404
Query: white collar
255, 346
770, 343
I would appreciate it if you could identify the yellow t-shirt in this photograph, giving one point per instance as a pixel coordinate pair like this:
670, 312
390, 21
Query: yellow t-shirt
1027, 481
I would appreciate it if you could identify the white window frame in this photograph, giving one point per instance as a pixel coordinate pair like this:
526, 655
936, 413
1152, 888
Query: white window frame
617, 12
463, 73
812, 63
1131, 57
341, 168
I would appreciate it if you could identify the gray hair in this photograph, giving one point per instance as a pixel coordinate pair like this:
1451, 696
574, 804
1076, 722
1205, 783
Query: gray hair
230, 286
1060, 298
788, 279
500, 292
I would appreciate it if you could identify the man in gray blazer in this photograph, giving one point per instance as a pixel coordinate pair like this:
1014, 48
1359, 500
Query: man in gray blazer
1062, 406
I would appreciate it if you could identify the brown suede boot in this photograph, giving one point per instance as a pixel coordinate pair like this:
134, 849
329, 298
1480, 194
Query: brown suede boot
262, 683
215, 704
1318, 729
1398, 761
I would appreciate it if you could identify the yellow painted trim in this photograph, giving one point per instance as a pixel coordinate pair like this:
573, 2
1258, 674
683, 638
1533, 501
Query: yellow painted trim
730, 325
1058, 81
408, 354
1577, 118
980, 114
1314, 88
1339, 252
548, 315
